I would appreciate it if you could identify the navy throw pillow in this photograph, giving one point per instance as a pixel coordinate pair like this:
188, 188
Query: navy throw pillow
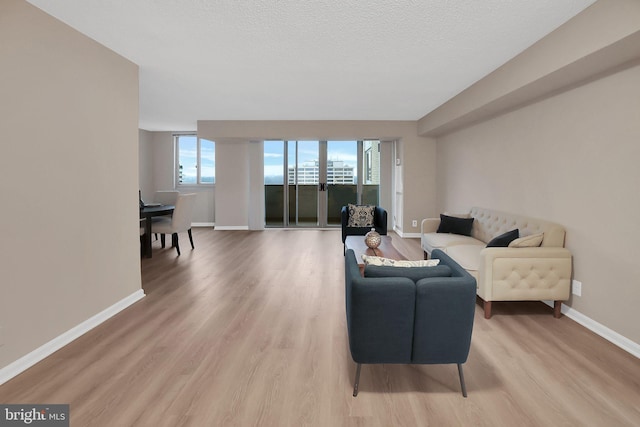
503, 240
455, 225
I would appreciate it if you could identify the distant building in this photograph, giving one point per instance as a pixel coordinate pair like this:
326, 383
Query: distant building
309, 173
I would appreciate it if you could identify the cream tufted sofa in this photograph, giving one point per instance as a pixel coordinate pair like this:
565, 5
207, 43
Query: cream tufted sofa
507, 274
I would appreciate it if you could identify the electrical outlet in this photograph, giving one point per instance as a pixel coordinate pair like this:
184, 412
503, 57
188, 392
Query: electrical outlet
576, 288
414, 223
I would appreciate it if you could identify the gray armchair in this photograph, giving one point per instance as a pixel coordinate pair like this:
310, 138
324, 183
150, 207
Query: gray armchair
396, 319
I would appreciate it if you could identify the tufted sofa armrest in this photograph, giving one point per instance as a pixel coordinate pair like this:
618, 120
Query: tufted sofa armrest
513, 274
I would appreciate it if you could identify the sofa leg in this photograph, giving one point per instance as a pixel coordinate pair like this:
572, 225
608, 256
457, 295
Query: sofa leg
355, 385
462, 384
557, 309
487, 309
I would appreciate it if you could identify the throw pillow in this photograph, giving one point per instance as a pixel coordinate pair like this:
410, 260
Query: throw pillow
503, 240
532, 241
413, 273
360, 215
381, 261
455, 225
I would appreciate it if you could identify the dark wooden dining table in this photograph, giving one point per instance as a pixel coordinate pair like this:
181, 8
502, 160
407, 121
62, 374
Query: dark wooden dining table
147, 213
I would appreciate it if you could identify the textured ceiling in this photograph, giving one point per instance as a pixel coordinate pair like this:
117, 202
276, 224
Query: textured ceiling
308, 60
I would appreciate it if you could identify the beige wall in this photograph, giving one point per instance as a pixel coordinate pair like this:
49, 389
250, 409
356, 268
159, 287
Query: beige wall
417, 153
232, 184
146, 163
69, 183
163, 149
573, 159
567, 153
156, 169
418, 182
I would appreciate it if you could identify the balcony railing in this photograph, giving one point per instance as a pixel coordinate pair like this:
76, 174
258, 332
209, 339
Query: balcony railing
306, 200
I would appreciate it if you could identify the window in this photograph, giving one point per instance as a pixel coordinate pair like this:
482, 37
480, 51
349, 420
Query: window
196, 160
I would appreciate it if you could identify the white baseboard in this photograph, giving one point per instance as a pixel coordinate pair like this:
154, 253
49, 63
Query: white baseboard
608, 334
231, 227
404, 235
202, 224
27, 361
411, 236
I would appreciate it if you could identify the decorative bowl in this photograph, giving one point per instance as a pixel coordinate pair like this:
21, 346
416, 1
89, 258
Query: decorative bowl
372, 239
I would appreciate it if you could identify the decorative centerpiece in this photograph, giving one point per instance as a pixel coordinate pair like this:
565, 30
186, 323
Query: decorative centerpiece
372, 239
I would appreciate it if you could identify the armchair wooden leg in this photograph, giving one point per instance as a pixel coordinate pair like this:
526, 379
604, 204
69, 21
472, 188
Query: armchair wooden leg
425, 255
191, 238
357, 382
557, 309
462, 384
487, 309
162, 242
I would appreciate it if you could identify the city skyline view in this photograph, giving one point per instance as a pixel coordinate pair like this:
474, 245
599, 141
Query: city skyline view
344, 151
308, 153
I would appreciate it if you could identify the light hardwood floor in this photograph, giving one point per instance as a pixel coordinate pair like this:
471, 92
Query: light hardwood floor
249, 329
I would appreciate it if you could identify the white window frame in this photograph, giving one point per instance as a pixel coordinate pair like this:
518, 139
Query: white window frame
176, 142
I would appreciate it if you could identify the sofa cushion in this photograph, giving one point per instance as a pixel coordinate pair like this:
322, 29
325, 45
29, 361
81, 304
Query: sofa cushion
532, 241
468, 256
452, 224
503, 240
360, 215
442, 241
413, 273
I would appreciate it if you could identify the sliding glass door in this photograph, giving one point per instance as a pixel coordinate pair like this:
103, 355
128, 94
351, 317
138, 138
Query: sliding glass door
275, 167
303, 179
308, 182
369, 189
342, 174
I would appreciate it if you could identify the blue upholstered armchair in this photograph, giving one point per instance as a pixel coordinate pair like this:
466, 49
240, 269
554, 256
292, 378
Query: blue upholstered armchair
379, 223
394, 318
